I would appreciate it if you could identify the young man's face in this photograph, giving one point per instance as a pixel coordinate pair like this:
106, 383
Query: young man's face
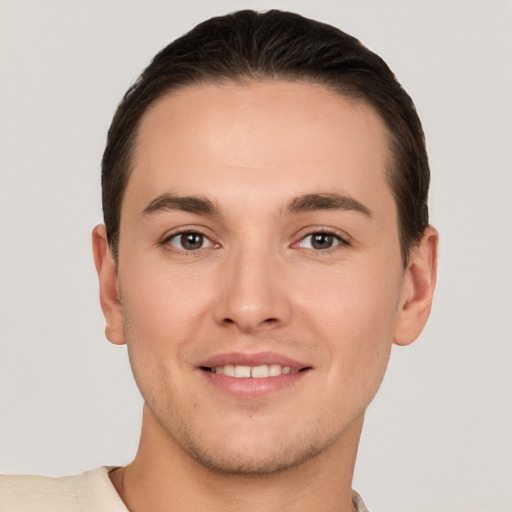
258, 234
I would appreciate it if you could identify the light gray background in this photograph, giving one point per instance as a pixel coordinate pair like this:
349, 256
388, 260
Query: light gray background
439, 435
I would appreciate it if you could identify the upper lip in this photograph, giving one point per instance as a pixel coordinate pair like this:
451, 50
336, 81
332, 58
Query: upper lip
254, 359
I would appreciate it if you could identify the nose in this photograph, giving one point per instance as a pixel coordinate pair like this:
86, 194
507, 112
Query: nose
252, 292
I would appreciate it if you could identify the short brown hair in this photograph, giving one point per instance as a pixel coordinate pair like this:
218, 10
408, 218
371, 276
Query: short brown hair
247, 45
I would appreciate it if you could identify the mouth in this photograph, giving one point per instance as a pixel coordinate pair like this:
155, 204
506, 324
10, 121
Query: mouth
262, 371
252, 376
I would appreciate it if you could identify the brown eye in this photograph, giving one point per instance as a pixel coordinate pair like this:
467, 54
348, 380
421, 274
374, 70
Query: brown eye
320, 241
190, 241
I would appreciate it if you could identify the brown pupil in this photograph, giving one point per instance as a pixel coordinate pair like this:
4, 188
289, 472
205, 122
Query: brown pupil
321, 241
191, 241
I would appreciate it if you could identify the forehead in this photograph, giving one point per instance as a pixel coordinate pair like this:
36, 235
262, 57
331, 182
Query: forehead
298, 137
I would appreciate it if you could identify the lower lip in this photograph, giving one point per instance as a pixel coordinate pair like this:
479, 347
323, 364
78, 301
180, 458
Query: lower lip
249, 388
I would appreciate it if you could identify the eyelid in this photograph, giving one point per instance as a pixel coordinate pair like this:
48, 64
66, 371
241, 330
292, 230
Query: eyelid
178, 236
343, 239
182, 230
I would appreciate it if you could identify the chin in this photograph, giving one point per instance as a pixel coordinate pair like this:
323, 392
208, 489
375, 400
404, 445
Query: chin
257, 454
252, 463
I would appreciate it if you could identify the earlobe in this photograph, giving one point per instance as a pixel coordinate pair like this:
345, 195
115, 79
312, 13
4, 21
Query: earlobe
418, 289
108, 283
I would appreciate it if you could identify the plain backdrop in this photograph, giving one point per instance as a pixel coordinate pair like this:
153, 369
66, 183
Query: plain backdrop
438, 437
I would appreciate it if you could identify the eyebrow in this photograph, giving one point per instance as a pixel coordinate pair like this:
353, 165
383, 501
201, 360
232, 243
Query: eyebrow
301, 204
191, 204
312, 202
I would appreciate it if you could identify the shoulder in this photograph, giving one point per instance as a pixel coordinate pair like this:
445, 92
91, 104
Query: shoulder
89, 491
37, 493
358, 502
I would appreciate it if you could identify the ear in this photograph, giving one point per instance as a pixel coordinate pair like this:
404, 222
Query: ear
109, 289
418, 289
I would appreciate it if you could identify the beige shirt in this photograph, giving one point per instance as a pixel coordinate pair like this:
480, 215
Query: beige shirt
91, 491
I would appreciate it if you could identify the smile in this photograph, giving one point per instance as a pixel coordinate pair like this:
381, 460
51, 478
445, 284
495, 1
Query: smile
256, 372
251, 376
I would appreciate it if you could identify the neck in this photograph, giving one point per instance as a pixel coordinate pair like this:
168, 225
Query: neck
163, 477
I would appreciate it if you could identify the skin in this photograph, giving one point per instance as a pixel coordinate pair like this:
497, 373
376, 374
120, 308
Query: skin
256, 284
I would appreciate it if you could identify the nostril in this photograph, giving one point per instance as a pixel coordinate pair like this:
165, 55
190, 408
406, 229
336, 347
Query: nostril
267, 321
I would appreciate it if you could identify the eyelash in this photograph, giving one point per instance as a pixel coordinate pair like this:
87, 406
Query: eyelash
341, 242
166, 242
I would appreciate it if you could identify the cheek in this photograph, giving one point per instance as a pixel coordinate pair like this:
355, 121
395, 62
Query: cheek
160, 297
347, 298
158, 335
160, 312
355, 313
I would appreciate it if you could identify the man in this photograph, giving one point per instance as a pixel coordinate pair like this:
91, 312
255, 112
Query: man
266, 240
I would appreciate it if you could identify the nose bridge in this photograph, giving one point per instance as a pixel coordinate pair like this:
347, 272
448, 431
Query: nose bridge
252, 297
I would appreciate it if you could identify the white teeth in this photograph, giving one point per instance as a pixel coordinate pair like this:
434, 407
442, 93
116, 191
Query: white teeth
274, 370
242, 371
228, 370
256, 372
260, 372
